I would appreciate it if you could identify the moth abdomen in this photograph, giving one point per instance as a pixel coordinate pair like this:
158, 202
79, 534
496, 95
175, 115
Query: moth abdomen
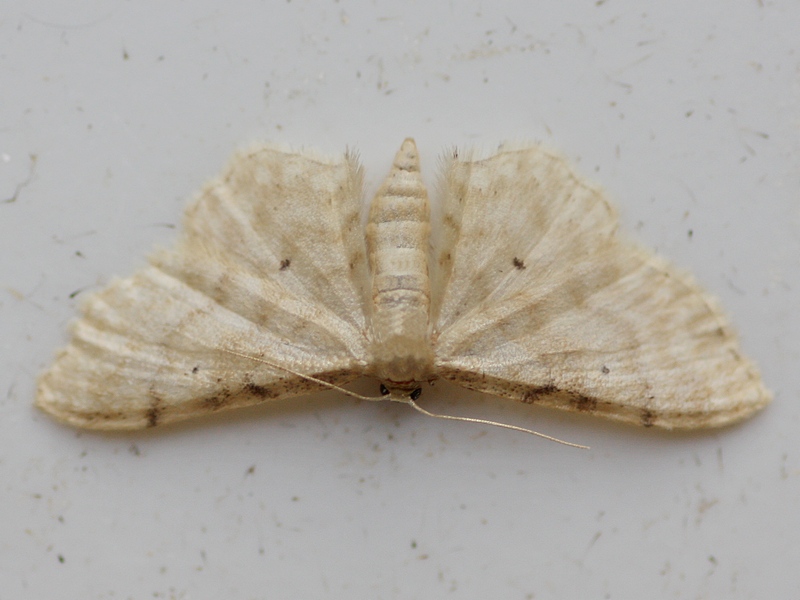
398, 231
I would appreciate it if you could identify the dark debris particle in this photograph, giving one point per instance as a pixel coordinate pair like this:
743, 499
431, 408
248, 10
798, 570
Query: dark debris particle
25, 183
61, 559
285, 264
605, 370
519, 263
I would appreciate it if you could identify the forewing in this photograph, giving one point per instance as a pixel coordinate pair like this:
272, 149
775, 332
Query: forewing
537, 299
269, 272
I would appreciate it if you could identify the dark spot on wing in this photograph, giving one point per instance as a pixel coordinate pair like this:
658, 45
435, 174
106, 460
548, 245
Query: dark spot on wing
533, 395
584, 403
605, 370
259, 390
353, 221
95, 416
218, 401
355, 259
214, 402
195, 370
561, 397
153, 414
285, 264
221, 292
648, 417
519, 263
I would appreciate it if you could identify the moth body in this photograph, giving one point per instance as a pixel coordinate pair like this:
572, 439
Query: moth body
273, 290
397, 246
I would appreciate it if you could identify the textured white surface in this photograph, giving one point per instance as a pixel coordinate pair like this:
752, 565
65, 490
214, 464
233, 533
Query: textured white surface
687, 113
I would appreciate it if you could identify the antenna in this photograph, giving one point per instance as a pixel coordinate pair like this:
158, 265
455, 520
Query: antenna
405, 400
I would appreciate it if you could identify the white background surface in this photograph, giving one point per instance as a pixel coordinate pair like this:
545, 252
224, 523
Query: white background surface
688, 112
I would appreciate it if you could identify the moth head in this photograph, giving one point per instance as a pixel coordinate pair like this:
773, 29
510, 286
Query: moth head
401, 392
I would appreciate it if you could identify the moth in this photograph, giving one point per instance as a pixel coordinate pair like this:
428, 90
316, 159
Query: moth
526, 291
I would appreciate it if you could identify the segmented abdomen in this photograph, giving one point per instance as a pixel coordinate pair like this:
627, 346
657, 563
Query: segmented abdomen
397, 243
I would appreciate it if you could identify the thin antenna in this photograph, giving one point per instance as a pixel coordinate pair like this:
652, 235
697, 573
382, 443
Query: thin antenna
408, 401
495, 423
327, 384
